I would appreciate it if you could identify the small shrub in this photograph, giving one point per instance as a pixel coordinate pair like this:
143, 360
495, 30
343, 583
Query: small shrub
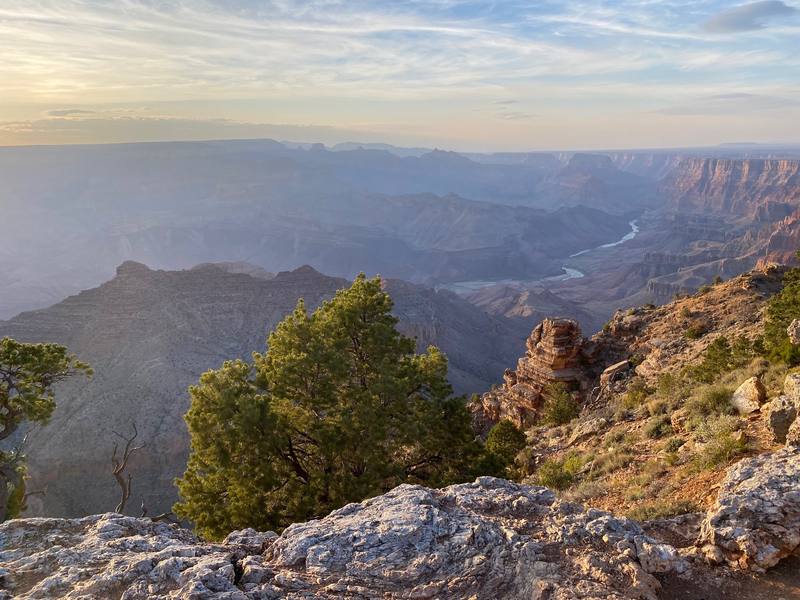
637, 393
559, 405
686, 312
717, 280
559, 474
696, 330
704, 289
674, 444
722, 441
661, 510
658, 427
710, 400
505, 441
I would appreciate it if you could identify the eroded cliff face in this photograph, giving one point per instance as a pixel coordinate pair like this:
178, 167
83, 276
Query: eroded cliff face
783, 242
764, 188
557, 353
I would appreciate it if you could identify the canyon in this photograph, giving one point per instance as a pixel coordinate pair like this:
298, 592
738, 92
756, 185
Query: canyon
149, 334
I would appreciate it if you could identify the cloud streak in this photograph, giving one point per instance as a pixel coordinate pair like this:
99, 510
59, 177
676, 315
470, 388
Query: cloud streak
749, 17
405, 63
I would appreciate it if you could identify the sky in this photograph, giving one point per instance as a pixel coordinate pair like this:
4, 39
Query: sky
474, 75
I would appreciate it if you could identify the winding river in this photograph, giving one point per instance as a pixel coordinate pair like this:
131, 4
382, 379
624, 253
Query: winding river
465, 287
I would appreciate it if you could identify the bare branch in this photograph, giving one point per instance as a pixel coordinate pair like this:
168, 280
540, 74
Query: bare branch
120, 463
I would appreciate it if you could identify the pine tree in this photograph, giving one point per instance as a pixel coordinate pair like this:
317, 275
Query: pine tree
338, 409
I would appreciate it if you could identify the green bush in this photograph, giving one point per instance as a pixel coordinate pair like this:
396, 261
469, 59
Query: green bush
559, 474
696, 330
710, 400
722, 441
658, 427
781, 310
559, 405
636, 394
674, 444
505, 441
662, 509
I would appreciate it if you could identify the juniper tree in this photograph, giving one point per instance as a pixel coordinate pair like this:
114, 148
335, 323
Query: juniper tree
28, 373
339, 408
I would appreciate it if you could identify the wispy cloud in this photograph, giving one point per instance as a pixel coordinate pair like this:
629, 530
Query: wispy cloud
749, 17
409, 63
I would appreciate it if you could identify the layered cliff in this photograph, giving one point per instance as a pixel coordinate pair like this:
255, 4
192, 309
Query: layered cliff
764, 188
556, 353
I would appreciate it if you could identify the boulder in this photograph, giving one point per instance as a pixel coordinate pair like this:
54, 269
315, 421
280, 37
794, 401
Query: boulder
794, 332
791, 387
779, 414
487, 539
587, 429
749, 396
755, 521
793, 435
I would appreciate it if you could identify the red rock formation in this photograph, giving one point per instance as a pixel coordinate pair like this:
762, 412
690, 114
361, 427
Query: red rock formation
767, 189
556, 353
784, 242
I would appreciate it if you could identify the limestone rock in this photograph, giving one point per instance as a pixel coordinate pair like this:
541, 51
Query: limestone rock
793, 435
779, 415
749, 396
794, 332
791, 387
755, 521
556, 353
587, 429
487, 539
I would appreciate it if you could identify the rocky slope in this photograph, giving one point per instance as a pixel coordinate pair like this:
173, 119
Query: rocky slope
488, 539
651, 437
150, 334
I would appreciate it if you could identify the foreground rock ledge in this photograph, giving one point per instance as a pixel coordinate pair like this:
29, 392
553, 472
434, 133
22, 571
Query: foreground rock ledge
488, 539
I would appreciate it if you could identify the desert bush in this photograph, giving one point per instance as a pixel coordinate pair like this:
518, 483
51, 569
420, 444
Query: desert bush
559, 405
636, 394
658, 427
674, 444
710, 400
662, 509
696, 329
783, 307
559, 474
504, 442
722, 441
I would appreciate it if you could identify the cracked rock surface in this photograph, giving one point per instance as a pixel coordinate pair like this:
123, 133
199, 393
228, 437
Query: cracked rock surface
488, 539
755, 521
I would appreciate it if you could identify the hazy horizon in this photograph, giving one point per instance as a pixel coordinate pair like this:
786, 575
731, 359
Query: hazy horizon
470, 75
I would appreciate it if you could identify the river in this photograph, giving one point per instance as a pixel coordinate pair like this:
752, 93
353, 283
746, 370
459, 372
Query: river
465, 287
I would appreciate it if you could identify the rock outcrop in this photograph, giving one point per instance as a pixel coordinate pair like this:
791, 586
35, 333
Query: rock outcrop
794, 331
557, 353
779, 415
756, 519
749, 396
488, 539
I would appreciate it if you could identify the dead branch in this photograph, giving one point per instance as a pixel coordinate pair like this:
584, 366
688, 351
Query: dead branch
121, 463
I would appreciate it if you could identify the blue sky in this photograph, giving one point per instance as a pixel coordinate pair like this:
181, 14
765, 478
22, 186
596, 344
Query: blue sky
468, 74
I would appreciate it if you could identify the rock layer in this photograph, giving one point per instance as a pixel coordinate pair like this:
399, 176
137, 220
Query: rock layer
556, 353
